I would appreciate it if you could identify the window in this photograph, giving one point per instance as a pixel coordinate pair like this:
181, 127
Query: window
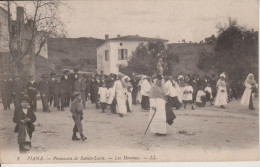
122, 54
106, 55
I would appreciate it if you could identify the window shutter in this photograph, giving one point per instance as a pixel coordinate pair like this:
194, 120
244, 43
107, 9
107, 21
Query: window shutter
119, 54
126, 54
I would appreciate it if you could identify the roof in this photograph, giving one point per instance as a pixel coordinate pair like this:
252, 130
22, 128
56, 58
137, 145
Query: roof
3, 9
136, 38
133, 38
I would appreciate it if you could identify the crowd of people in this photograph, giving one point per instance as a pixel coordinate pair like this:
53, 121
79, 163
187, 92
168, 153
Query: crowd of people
157, 94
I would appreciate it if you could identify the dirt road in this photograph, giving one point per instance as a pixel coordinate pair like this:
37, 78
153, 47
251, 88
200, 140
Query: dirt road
203, 134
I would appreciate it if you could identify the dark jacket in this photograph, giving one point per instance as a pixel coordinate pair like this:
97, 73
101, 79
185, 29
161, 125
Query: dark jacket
44, 88
95, 86
82, 85
6, 88
51, 85
73, 79
134, 83
21, 116
18, 88
76, 107
59, 88
77, 86
67, 84
32, 89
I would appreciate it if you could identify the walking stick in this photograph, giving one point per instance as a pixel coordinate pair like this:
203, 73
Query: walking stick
150, 122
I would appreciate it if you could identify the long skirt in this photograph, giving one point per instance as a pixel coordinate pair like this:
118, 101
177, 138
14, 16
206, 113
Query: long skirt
129, 100
139, 97
158, 124
121, 105
145, 104
246, 96
221, 98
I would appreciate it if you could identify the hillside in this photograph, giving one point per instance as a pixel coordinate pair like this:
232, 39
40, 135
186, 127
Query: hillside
187, 57
67, 52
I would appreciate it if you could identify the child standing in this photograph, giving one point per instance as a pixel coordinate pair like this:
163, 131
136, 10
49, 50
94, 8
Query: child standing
187, 95
104, 94
77, 115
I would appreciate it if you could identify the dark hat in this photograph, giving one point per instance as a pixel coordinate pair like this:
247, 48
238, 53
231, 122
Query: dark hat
58, 75
53, 74
75, 94
159, 77
25, 98
66, 72
45, 75
76, 69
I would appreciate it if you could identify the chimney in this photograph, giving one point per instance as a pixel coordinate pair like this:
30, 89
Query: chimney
106, 37
118, 36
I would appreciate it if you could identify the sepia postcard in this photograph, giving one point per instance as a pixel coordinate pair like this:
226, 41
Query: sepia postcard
112, 81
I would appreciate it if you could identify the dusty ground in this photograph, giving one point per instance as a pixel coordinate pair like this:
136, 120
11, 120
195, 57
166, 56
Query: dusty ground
205, 134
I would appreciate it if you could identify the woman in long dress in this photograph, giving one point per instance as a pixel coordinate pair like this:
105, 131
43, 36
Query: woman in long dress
221, 98
251, 87
129, 88
157, 108
120, 97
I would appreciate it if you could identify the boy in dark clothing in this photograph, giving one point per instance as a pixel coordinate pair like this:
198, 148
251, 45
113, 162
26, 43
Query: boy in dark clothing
77, 116
25, 126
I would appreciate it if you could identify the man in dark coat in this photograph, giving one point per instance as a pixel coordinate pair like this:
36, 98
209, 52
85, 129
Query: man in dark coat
95, 84
134, 83
88, 87
195, 86
74, 77
44, 89
32, 93
82, 91
213, 83
59, 91
17, 91
68, 87
6, 87
51, 83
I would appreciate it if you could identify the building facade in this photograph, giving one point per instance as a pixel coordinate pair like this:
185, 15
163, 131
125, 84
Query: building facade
4, 34
117, 51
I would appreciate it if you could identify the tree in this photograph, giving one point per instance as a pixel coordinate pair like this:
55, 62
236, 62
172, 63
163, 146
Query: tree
44, 21
235, 51
145, 58
210, 40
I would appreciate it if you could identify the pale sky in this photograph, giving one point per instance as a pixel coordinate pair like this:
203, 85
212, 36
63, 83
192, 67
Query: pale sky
174, 20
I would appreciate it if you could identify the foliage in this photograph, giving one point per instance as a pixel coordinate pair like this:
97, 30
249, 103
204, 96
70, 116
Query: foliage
145, 58
209, 40
235, 52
